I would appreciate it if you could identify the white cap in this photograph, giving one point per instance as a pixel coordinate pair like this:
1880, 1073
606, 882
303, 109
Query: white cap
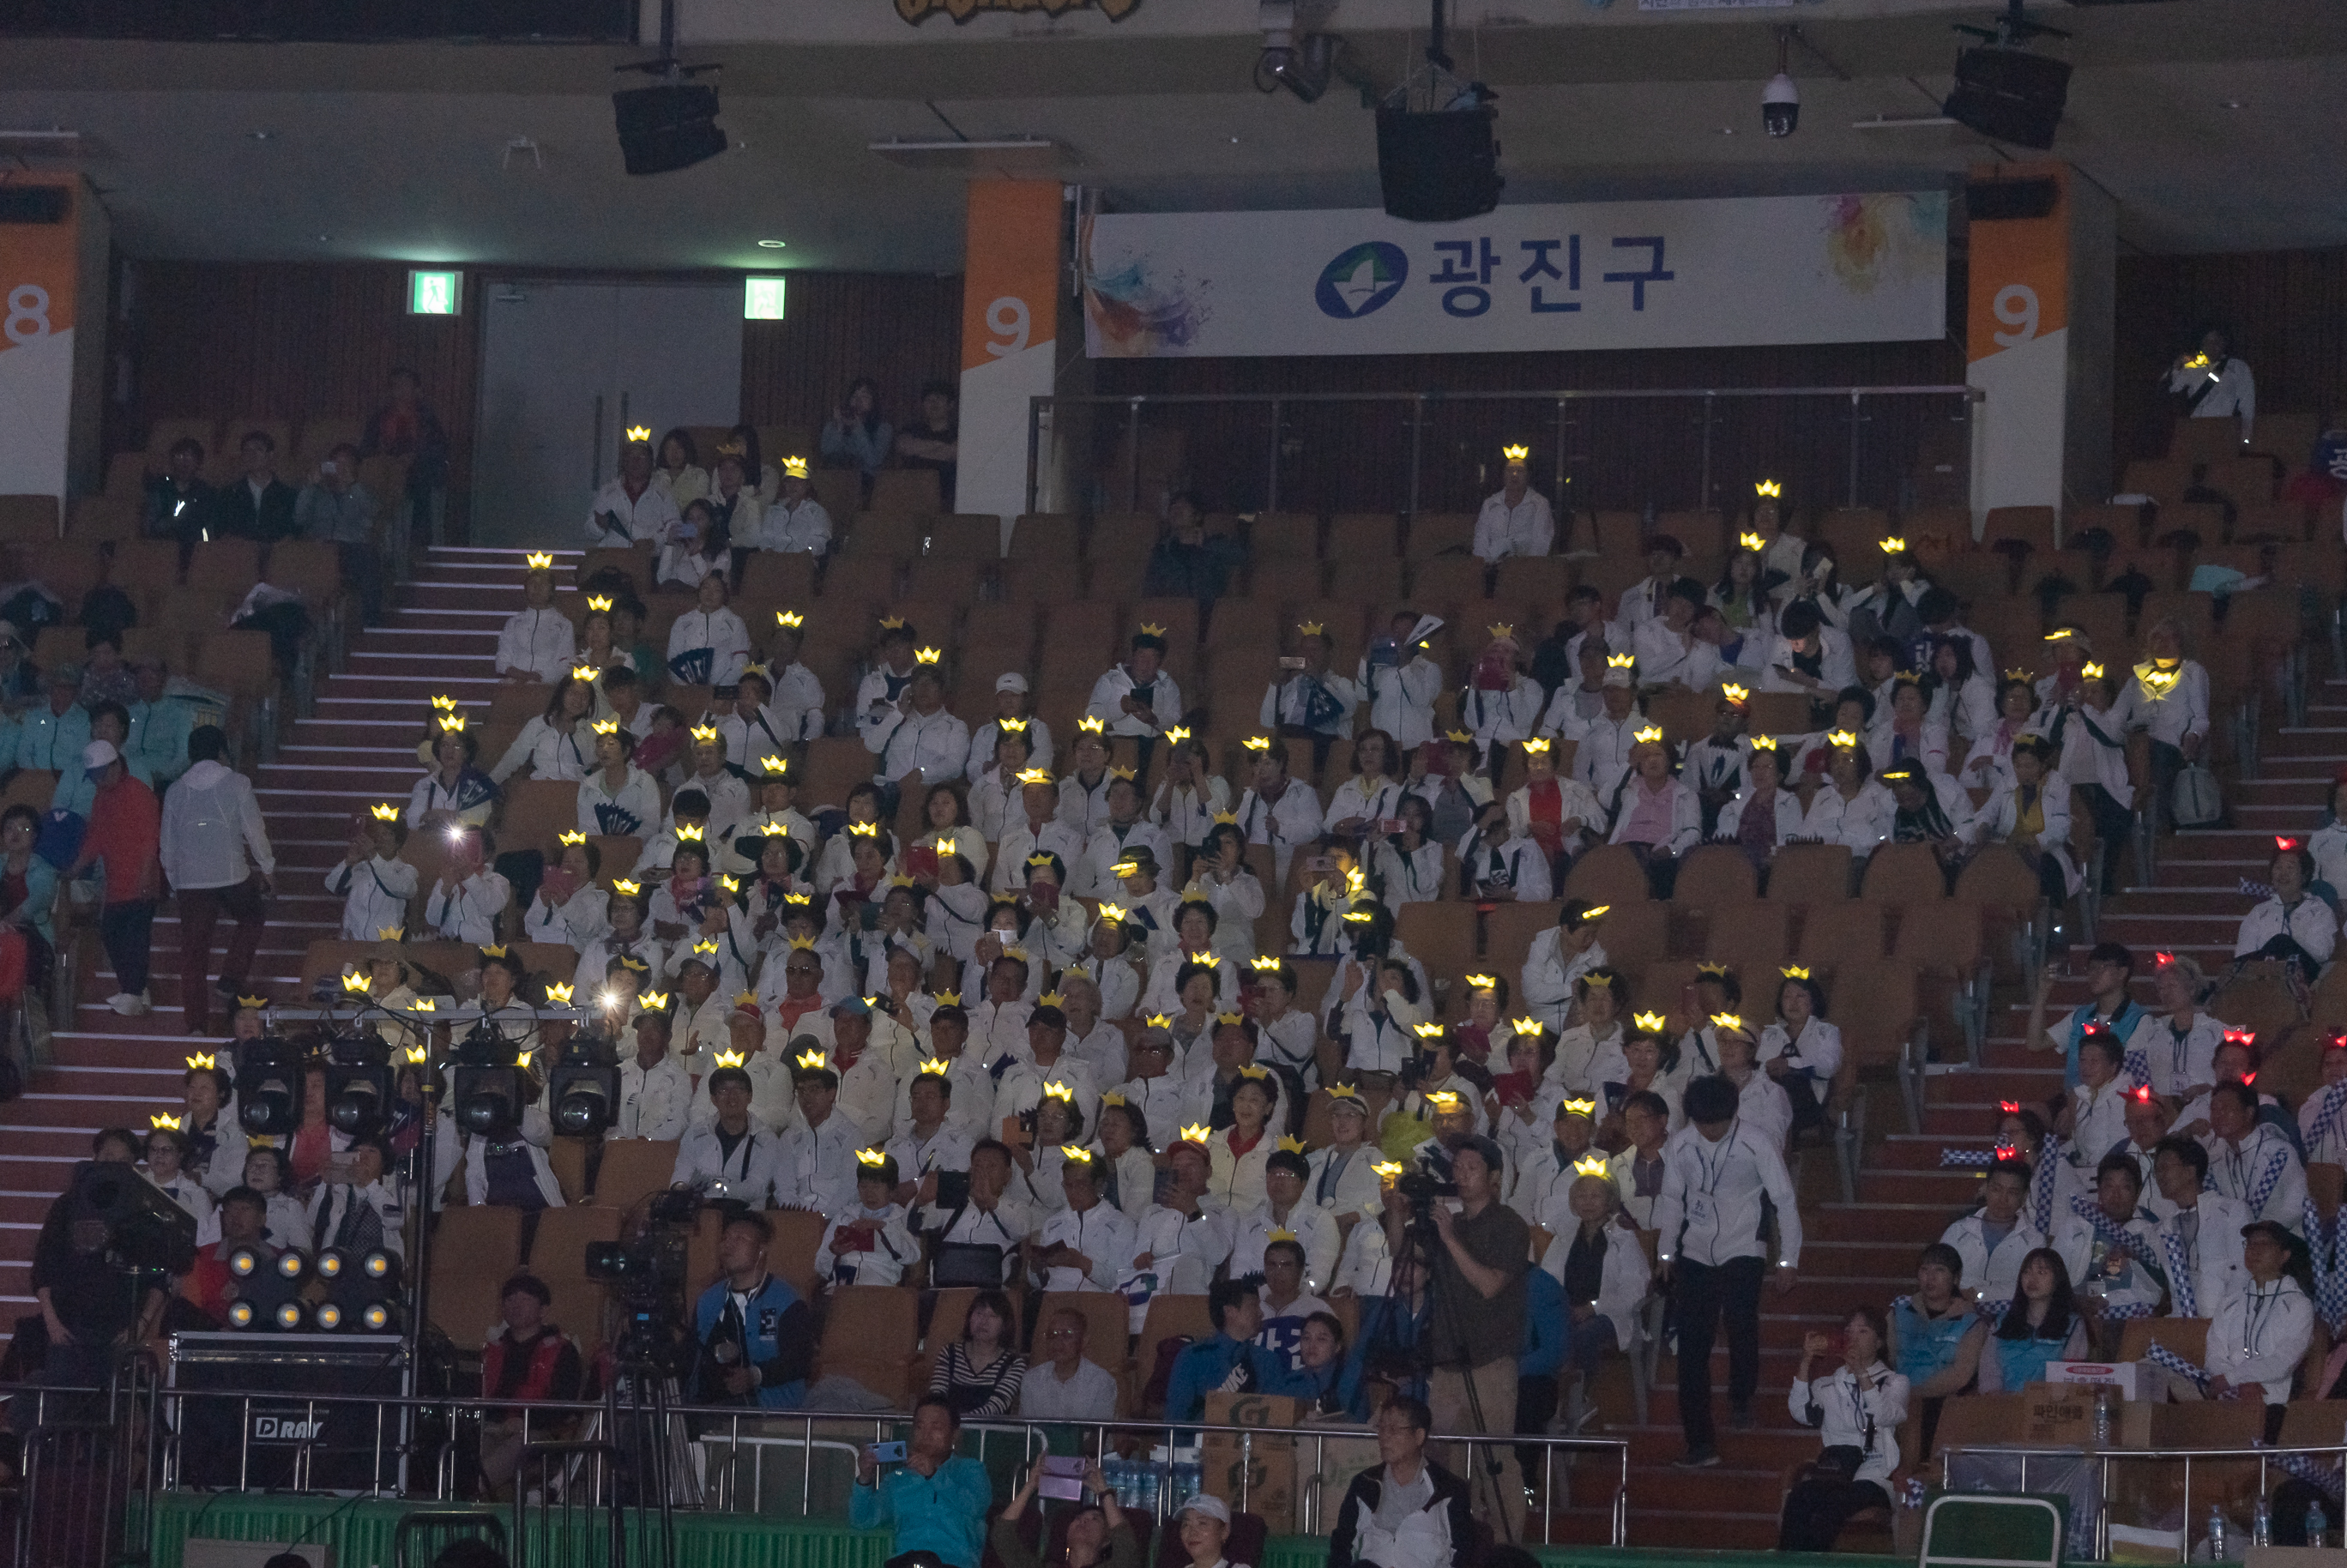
98, 754
1210, 1505
1013, 681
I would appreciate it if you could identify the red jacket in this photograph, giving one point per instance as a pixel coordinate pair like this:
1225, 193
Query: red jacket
126, 829
555, 1371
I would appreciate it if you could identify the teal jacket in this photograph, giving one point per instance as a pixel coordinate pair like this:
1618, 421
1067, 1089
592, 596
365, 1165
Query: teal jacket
943, 1513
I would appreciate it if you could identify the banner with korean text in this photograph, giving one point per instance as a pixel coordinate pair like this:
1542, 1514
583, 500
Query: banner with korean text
1618, 275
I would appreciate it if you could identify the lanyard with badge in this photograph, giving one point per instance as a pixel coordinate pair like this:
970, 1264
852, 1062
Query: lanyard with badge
1701, 1202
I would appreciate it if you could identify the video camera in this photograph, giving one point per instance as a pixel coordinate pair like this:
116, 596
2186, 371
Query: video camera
647, 1275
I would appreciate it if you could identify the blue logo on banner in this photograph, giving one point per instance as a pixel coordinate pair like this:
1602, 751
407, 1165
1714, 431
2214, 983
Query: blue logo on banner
1360, 279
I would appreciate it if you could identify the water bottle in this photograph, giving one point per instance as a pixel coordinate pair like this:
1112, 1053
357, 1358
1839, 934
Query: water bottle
2261, 1524
2103, 1417
2217, 1549
2318, 1524
1113, 1473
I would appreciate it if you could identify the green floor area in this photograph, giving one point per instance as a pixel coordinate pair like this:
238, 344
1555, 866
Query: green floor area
362, 1531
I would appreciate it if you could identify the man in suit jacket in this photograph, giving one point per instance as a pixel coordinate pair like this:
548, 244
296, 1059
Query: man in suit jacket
258, 505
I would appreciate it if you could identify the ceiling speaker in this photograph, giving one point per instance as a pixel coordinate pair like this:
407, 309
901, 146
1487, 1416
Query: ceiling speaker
673, 126
2010, 94
1440, 165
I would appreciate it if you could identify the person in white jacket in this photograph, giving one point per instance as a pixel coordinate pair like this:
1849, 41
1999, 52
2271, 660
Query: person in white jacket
2293, 926
373, 884
1800, 1049
1597, 1258
1277, 809
2031, 815
918, 734
1765, 816
1656, 812
2201, 1240
1515, 520
732, 1154
1859, 1406
1399, 679
1557, 960
1138, 697
1993, 1239
1501, 703
537, 642
2259, 1334
1013, 714
216, 855
2168, 697
631, 509
708, 646
1309, 701
870, 1242
619, 798
655, 1091
1497, 863
556, 743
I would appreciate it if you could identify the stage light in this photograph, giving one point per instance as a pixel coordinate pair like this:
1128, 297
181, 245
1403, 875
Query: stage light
269, 1086
2004, 91
584, 1087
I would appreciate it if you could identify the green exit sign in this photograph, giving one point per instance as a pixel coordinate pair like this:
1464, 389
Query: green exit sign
761, 300
435, 293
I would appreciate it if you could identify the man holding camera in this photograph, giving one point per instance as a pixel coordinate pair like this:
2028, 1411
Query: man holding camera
757, 1339
1475, 1317
935, 1498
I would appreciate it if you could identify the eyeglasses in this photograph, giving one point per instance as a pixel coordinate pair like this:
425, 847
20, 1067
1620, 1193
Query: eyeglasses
1065, 1334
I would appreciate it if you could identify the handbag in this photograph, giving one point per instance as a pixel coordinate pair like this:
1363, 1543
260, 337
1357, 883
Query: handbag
2195, 801
1837, 1462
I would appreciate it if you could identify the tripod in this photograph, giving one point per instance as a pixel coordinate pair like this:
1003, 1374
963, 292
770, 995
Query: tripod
1414, 1269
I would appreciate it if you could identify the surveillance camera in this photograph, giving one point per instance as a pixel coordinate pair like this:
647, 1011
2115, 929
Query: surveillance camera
1781, 105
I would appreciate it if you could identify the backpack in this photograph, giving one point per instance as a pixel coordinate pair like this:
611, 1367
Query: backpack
2194, 800
59, 840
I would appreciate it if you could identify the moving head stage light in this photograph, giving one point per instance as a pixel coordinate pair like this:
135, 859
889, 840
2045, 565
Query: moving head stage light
1437, 142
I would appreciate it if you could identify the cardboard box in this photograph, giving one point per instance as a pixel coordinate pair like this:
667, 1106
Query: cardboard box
2133, 1380
2062, 1415
1265, 1468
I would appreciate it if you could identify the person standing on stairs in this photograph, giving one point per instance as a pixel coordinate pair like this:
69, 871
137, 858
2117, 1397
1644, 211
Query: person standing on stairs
216, 858
123, 835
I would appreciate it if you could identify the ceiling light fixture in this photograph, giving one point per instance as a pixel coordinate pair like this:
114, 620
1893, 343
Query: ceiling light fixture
771, 244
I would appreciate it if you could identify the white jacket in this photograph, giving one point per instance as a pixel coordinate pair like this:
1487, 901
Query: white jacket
210, 823
1996, 821
1850, 1416
719, 630
1110, 689
542, 641
643, 520
1622, 1284
1788, 813
1993, 1275
374, 894
748, 1175
1686, 816
2261, 1334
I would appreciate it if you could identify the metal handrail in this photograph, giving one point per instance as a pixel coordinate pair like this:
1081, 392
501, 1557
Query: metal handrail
2332, 1453
1041, 407
725, 1424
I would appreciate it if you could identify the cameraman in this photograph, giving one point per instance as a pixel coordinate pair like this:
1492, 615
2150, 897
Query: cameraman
1475, 1322
757, 1339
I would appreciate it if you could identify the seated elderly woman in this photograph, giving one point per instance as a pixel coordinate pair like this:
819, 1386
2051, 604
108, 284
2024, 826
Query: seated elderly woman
2293, 927
1604, 1273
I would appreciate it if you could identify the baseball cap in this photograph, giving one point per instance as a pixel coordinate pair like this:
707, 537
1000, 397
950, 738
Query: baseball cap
1210, 1505
1013, 681
98, 754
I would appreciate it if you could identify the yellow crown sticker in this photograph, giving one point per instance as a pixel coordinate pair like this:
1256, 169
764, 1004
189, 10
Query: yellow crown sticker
453, 724
1891, 547
1579, 1107
871, 1157
1076, 1153
538, 561
1764, 743
1535, 746
813, 1061
1727, 1020
1059, 1092
1150, 628
1526, 1025
357, 982
1770, 488
1482, 982
383, 811
1267, 964
1196, 1132
796, 468
791, 620
1344, 1092
1515, 453
690, 833
1735, 694
570, 837
163, 1123
935, 1067
1442, 1098
625, 888
704, 732
732, 1058
654, 1001
1648, 734
203, 1062
1841, 737
1751, 541
2091, 671
639, 432
600, 603
559, 994
928, 655
1621, 662
1160, 1020
446, 704
1386, 1170
604, 726
1257, 743
1795, 971
1426, 1030
1589, 1166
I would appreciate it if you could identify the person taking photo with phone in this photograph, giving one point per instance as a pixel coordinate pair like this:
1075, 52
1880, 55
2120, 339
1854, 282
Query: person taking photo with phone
1097, 1535
935, 1500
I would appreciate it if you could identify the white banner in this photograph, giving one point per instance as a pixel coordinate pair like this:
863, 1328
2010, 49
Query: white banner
1617, 274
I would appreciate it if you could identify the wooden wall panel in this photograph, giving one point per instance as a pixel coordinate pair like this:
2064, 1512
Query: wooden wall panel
2287, 312
298, 338
899, 329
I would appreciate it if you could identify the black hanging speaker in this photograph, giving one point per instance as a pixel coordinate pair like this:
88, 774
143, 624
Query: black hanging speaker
1440, 165
671, 126
2010, 94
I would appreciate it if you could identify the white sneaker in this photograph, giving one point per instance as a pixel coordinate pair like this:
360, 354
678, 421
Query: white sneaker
136, 1006
122, 1002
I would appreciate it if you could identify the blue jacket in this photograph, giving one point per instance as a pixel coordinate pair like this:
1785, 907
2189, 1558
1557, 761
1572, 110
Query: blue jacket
1544, 1325
780, 1338
943, 1513
1201, 1369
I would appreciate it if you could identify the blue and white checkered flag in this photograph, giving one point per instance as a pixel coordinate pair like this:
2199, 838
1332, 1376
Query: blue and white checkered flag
2181, 1292
2277, 1163
2041, 1190
2323, 1246
2177, 1365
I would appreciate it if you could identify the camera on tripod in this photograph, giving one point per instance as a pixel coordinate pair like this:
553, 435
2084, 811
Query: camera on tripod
647, 1275
1421, 1188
